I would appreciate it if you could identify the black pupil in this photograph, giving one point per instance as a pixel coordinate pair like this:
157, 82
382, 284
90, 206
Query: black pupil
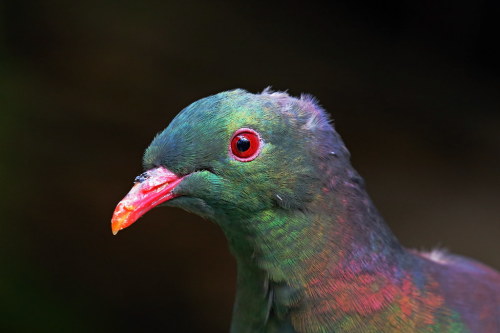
243, 144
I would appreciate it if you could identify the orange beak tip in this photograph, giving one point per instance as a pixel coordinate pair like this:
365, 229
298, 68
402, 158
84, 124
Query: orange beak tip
146, 193
120, 217
115, 229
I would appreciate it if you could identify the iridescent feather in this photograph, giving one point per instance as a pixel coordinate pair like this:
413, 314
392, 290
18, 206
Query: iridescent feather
313, 253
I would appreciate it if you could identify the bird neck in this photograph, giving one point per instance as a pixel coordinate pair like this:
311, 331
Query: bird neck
333, 262
338, 229
285, 254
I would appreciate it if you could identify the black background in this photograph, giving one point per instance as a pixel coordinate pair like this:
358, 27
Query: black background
413, 87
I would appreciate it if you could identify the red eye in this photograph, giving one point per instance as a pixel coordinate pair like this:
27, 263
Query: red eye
245, 145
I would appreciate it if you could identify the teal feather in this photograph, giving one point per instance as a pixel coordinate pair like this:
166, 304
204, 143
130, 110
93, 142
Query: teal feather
313, 254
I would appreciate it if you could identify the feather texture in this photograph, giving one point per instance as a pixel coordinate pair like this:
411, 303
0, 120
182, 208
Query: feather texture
313, 253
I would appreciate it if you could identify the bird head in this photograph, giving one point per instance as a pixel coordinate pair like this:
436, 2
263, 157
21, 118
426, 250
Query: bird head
233, 155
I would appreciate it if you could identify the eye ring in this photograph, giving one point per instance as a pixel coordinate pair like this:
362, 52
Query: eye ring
245, 145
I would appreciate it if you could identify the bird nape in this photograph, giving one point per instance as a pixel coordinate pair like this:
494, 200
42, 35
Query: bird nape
313, 254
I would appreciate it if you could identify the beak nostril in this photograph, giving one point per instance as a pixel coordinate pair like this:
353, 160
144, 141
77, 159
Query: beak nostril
142, 177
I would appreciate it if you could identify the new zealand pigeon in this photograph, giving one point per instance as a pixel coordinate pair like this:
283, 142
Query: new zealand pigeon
313, 254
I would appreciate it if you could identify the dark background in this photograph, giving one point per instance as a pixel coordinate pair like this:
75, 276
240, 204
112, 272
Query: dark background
413, 87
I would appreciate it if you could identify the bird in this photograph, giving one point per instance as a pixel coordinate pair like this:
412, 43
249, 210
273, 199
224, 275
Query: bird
313, 254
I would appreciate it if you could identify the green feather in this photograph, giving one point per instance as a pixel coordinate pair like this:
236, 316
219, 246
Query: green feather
313, 254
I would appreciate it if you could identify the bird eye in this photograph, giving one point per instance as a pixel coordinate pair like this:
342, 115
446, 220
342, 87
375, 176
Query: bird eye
245, 145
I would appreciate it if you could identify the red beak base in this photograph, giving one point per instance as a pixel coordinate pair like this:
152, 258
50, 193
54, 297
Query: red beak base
151, 189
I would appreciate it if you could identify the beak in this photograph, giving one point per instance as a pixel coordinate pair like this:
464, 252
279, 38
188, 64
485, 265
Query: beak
151, 188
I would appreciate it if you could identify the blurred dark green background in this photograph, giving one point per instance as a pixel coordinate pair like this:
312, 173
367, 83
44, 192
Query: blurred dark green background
413, 86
